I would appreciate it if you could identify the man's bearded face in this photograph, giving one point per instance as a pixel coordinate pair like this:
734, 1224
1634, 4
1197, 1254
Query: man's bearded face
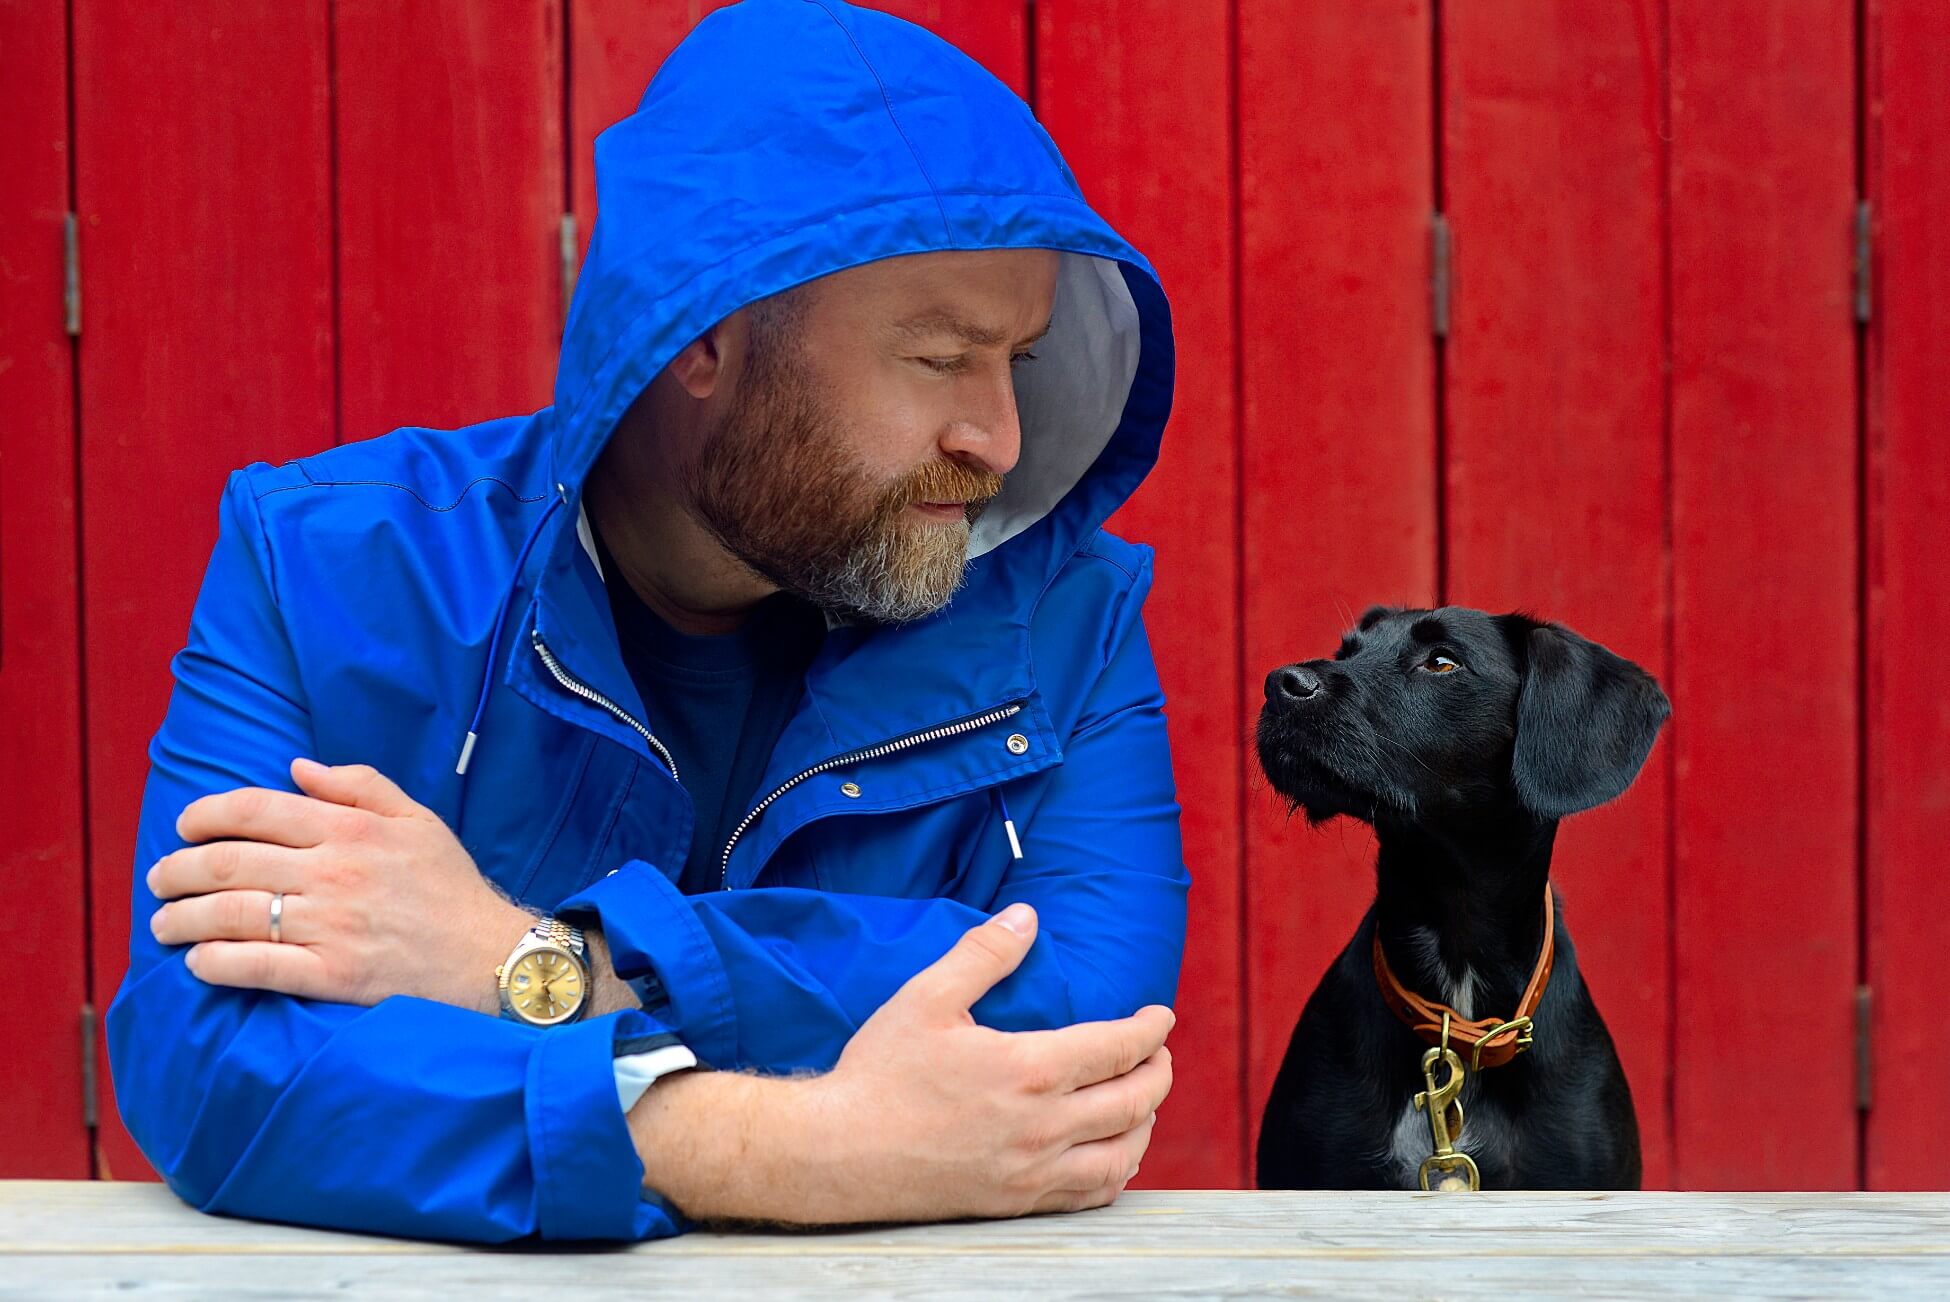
778, 487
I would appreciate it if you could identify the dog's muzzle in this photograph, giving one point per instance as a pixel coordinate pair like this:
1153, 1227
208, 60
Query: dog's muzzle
1292, 685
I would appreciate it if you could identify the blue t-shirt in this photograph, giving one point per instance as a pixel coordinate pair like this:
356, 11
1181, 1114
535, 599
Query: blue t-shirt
718, 704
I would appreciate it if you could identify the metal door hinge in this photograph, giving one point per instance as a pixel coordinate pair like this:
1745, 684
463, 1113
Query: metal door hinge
566, 247
1439, 288
1863, 1096
71, 274
88, 1104
1864, 238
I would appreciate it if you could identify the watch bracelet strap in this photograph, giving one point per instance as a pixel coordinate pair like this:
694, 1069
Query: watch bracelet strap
552, 930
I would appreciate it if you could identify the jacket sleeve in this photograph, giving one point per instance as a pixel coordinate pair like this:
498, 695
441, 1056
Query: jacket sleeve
410, 1118
779, 979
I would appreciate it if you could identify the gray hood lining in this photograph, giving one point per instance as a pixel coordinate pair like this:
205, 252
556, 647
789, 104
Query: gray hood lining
1070, 400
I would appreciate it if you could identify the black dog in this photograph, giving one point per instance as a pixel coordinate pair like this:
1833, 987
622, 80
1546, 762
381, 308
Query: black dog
1463, 738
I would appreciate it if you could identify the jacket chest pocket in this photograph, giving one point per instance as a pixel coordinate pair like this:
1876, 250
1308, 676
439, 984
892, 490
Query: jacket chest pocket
563, 834
518, 843
935, 850
642, 814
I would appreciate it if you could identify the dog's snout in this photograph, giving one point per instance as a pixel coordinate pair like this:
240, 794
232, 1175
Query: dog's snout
1292, 683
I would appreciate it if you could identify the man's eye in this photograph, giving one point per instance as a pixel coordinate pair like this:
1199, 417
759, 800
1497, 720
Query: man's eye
956, 365
1437, 663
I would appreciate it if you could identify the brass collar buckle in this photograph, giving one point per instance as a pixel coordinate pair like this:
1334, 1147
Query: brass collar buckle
1521, 1025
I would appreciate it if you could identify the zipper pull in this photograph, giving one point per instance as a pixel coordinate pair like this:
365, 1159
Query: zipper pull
1008, 825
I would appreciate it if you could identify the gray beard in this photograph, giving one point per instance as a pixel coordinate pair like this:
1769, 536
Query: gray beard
884, 582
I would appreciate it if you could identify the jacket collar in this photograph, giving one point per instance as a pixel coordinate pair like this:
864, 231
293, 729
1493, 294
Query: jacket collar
869, 686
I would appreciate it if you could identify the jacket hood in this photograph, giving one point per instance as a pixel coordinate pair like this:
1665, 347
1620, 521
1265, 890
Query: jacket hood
788, 139
782, 141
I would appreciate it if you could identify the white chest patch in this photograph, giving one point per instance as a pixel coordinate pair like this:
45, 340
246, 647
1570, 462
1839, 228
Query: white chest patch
1487, 1136
1458, 988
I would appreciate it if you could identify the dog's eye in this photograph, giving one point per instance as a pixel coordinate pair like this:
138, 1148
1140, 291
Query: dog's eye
1437, 663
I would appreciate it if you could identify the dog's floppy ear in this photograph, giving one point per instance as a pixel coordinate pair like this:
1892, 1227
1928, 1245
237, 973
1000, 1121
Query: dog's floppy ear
1586, 719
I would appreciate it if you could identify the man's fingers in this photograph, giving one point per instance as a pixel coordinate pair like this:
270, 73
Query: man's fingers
260, 965
231, 915
1113, 1107
260, 814
1058, 1201
359, 785
981, 958
1105, 1163
226, 866
1073, 1057
1094, 1174
290, 819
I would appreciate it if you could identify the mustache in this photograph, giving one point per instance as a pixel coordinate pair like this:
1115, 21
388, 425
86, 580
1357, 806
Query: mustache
949, 481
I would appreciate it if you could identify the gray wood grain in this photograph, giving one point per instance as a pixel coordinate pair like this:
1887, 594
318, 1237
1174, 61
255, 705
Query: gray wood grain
93, 1239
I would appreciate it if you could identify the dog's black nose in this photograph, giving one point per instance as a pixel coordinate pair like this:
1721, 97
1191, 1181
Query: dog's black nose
1292, 683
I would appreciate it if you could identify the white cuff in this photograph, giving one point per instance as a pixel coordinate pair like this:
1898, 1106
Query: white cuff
637, 1072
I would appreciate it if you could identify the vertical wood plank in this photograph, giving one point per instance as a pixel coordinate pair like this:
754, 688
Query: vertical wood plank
994, 33
1765, 600
1337, 425
1908, 892
450, 201
41, 853
202, 143
1136, 95
615, 48
1555, 405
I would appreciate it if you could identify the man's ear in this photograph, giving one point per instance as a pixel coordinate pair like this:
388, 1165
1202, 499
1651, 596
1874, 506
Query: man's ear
700, 364
1586, 719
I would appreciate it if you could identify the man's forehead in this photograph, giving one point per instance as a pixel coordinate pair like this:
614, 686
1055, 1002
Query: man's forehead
943, 287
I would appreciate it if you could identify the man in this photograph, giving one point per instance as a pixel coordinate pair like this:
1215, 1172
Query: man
768, 663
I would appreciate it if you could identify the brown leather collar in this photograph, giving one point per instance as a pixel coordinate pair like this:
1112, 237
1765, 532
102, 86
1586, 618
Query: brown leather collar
1493, 1043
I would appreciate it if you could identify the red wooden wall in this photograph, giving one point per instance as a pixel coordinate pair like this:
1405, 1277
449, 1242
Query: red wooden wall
1906, 473
1653, 411
42, 834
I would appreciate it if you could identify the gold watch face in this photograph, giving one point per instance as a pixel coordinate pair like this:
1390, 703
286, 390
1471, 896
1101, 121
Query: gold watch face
545, 987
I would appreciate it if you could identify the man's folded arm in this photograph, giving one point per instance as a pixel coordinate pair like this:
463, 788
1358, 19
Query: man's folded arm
780, 978
411, 1117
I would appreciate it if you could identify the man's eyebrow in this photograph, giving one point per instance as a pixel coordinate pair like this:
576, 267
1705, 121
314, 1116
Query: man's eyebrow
928, 324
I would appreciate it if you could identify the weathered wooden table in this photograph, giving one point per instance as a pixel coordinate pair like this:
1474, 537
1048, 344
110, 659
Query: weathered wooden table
68, 1239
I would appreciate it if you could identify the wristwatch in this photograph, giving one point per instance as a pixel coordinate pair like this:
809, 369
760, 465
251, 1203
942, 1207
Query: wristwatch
545, 981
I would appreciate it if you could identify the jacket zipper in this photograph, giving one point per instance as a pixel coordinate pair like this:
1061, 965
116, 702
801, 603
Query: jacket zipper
854, 757
590, 694
895, 746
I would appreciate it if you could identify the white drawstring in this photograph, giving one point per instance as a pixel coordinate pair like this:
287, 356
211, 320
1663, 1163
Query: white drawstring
1008, 824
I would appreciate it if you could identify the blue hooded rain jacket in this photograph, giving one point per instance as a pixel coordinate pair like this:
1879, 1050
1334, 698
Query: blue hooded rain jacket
400, 601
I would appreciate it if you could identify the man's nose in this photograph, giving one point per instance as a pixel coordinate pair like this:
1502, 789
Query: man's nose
991, 434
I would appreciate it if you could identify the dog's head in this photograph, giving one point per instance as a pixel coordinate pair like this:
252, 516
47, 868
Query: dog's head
1423, 714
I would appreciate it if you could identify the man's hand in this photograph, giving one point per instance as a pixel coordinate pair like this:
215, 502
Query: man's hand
927, 1116
380, 898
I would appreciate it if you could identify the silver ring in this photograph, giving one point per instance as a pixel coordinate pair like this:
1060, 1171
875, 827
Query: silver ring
277, 918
